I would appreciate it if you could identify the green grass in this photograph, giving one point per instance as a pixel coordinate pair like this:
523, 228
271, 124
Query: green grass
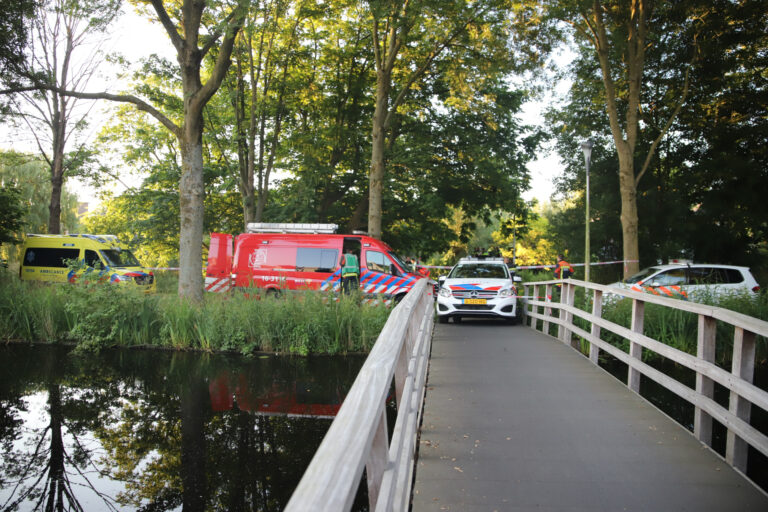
679, 329
100, 316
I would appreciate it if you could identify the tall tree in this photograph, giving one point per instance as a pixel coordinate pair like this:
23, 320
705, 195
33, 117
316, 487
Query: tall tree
620, 34
188, 26
408, 38
64, 50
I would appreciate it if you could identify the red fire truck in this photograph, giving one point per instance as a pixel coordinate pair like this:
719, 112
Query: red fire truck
277, 257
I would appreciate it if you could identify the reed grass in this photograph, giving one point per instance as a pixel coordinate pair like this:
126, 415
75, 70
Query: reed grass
679, 329
97, 316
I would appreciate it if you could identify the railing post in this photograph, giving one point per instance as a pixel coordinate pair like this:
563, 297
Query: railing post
597, 310
547, 311
743, 367
635, 349
377, 459
705, 350
535, 309
567, 293
401, 373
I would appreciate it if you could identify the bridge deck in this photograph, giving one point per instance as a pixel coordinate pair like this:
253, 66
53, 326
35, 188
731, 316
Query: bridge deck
515, 420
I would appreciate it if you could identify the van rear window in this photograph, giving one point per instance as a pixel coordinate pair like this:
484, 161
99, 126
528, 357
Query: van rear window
49, 257
316, 260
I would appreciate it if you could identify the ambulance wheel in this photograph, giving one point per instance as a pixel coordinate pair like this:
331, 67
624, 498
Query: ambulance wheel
273, 293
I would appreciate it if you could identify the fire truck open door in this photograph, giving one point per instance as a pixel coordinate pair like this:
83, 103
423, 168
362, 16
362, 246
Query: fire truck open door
218, 272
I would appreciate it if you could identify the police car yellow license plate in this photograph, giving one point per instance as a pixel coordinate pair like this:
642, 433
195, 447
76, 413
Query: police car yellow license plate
474, 301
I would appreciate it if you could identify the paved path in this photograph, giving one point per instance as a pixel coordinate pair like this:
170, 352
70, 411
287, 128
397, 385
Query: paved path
515, 420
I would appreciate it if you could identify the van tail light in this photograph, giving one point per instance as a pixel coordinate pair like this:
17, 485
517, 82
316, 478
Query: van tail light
756, 289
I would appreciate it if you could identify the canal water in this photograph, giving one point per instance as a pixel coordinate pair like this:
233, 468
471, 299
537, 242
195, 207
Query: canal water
155, 430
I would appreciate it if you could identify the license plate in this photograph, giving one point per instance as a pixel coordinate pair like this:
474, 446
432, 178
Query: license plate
474, 301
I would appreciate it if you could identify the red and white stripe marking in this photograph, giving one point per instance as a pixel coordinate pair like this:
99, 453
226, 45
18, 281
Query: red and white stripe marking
217, 284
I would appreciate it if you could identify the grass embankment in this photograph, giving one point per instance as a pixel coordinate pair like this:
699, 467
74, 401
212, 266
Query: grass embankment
678, 329
101, 316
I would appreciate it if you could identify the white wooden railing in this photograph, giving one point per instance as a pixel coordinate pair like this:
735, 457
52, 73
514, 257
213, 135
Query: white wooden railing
743, 394
358, 435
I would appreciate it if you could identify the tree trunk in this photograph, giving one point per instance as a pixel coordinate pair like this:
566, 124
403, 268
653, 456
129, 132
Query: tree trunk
629, 217
59, 128
54, 208
191, 195
378, 136
243, 151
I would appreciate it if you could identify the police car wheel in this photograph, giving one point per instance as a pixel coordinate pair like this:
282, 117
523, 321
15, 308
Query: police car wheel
457, 319
442, 319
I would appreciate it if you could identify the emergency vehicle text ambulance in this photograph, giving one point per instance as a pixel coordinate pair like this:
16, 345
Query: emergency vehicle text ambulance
276, 257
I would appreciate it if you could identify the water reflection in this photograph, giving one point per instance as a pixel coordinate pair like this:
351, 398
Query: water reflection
153, 431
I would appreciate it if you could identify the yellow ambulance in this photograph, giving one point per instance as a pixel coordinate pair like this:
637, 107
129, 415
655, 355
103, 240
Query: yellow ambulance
102, 258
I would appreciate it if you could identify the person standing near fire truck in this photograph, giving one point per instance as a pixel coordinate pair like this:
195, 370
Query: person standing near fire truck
350, 272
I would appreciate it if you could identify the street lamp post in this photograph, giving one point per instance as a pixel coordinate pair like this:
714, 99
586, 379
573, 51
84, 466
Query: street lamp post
586, 147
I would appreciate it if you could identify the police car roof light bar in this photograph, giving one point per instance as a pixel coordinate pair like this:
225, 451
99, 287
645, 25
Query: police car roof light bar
287, 227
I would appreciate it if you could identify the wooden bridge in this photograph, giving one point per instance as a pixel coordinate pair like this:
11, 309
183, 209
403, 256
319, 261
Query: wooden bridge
514, 419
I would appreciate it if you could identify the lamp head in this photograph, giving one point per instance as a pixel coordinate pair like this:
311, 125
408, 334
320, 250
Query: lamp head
586, 148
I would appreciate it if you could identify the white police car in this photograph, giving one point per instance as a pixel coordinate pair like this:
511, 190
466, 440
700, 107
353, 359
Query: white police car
696, 281
478, 288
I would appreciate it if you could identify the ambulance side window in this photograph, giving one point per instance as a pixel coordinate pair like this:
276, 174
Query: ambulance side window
378, 262
45, 257
92, 259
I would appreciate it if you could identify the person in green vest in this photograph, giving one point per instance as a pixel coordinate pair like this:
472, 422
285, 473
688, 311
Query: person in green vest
350, 273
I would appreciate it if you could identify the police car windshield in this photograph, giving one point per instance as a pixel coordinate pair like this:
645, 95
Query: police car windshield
479, 271
640, 276
120, 258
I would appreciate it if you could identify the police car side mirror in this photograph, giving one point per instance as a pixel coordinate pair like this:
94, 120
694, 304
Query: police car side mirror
441, 280
655, 284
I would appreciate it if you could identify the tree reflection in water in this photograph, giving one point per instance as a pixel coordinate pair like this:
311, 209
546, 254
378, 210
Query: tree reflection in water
158, 431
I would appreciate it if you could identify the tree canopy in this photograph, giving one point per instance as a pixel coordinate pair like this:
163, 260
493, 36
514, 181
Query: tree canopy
401, 118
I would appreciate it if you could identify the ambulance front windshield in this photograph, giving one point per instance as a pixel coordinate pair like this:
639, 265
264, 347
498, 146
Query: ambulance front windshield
120, 258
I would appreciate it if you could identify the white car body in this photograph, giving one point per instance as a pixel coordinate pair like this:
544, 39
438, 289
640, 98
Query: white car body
696, 280
477, 296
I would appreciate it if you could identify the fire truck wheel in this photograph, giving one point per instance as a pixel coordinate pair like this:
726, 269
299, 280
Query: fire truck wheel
273, 293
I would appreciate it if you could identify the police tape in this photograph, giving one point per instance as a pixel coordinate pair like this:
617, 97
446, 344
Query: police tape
593, 263
528, 267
